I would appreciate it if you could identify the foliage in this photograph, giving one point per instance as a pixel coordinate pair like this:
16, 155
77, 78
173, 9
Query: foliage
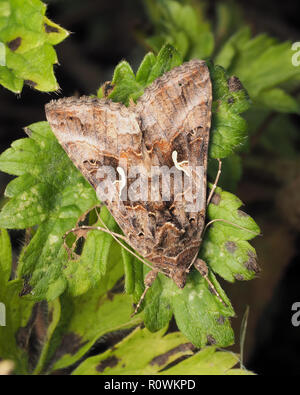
75, 323
14, 336
27, 38
262, 64
182, 26
161, 350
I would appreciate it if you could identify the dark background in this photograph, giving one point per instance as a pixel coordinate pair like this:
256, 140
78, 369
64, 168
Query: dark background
105, 32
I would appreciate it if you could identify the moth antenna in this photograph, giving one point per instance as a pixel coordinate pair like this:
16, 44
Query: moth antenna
202, 268
215, 183
230, 223
149, 280
86, 227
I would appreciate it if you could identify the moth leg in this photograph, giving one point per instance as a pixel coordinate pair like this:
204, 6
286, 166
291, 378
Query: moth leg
202, 268
81, 231
215, 183
149, 280
192, 263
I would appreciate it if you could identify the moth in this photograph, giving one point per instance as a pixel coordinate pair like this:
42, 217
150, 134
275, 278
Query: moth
167, 128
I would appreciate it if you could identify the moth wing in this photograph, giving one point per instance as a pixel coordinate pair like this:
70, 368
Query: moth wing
175, 114
175, 118
94, 132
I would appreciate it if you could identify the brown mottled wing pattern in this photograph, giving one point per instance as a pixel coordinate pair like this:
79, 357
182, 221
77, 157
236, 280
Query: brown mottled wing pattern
94, 132
173, 115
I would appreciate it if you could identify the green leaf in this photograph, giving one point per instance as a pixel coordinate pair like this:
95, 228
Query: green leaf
228, 130
144, 71
28, 36
209, 362
227, 53
126, 360
99, 311
262, 64
128, 87
199, 314
159, 351
229, 19
99, 249
182, 26
51, 193
231, 172
279, 136
53, 317
5, 256
134, 275
278, 100
243, 331
125, 83
13, 336
166, 60
225, 247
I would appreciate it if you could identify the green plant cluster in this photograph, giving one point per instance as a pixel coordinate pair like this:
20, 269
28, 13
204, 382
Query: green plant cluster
27, 38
